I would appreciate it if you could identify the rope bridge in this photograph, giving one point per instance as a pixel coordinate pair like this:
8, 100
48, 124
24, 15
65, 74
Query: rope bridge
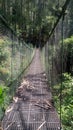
28, 71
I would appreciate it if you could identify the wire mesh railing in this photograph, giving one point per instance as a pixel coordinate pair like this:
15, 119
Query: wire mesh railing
15, 54
32, 126
57, 57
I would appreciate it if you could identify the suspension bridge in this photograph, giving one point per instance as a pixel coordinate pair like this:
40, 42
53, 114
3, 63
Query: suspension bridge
32, 107
32, 73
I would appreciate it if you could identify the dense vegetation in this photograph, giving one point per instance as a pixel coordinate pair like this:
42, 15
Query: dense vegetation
4, 60
67, 100
33, 20
62, 84
14, 58
60, 59
4, 99
67, 85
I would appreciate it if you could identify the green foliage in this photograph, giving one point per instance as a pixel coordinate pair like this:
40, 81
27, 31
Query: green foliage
67, 100
68, 44
70, 18
4, 59
68, 54
4, 99
3, 54
29, 17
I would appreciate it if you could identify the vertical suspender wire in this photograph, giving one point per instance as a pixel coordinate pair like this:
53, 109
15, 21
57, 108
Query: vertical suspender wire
12, 62
11, 56
48, 63
61, 71
52, 76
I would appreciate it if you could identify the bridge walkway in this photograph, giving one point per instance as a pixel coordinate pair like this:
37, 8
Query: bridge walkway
32, 107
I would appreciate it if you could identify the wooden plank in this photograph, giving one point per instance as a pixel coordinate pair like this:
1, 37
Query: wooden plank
39, 128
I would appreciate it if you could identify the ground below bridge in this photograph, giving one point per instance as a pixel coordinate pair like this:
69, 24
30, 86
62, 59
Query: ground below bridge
32, 107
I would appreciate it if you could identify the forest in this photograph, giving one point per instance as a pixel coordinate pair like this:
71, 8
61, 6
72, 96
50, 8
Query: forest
26, 24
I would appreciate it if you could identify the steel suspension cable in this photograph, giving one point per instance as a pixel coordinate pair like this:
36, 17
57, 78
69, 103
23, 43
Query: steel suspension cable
61, 87
60, 16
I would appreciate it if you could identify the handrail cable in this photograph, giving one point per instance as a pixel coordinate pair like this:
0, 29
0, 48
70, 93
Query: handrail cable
6, 24
59, 17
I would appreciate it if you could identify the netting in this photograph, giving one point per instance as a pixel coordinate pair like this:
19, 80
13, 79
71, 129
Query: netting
15, 55
57, 61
